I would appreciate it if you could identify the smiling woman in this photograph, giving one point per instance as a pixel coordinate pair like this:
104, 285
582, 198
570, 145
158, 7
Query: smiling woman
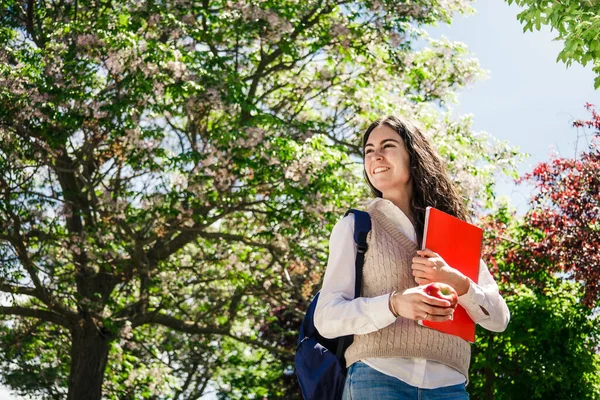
387, 166
421, 178
392, 356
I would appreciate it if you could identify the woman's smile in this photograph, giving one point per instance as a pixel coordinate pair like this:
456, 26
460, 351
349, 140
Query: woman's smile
387, 163
379, 170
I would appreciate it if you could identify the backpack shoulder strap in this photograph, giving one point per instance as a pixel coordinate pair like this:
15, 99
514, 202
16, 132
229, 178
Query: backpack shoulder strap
362, 227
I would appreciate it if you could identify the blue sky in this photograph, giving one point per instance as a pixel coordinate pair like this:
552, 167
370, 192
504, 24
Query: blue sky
529, 99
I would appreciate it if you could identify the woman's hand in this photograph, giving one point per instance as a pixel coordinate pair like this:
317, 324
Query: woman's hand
415, 304
428, 267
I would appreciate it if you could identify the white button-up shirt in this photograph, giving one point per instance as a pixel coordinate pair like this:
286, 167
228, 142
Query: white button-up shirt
339, 314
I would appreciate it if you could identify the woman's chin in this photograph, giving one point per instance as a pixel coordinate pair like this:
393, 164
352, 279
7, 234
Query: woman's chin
383, 186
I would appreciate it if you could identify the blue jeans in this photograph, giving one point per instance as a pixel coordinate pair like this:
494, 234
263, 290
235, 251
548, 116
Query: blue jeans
365, 383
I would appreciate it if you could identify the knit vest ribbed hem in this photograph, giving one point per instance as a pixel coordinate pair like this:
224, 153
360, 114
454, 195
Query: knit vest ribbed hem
387, 268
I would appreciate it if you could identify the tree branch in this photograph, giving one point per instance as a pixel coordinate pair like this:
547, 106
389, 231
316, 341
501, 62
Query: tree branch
306, 23
192, 327
287, 355
162, 249
188, 380
27, 291
16, 240
44, 315
18, 243
29, 17
65, 171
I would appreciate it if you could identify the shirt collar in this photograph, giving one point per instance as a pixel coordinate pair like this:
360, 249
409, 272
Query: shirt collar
396, 216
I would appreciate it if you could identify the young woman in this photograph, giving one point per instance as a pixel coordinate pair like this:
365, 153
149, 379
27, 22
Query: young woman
392, 357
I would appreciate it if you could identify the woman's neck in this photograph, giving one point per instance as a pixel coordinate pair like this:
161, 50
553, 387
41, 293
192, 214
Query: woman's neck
402, 201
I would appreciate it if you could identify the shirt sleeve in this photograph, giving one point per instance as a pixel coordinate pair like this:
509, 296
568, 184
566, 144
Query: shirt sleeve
338, 313
484, 304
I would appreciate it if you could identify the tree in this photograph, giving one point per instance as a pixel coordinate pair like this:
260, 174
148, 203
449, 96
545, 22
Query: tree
547, 263
551, 346
577, 23
563, 223
170, 171
549, 349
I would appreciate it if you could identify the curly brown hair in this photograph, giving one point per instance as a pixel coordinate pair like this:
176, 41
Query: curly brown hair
431, 183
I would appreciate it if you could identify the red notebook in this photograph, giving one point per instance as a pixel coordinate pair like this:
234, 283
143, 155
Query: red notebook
459, 244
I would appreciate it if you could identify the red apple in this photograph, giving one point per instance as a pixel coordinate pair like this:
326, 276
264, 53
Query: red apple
442, 291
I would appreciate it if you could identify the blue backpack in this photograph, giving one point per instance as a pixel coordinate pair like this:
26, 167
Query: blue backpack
319, 362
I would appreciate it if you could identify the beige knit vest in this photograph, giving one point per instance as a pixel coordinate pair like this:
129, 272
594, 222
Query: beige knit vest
387, 268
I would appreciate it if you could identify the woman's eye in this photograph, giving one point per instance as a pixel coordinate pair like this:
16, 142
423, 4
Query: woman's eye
368, 151
388, 145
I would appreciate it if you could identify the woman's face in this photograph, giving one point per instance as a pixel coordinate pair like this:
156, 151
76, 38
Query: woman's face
387, 162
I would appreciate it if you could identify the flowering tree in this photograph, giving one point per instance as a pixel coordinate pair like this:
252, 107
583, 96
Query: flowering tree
577, 23
170, 171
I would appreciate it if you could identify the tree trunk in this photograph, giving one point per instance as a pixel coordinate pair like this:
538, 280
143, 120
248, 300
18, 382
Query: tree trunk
488, 372
489, 384
89, 354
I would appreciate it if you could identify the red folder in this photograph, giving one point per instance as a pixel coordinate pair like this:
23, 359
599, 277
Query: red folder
459, 244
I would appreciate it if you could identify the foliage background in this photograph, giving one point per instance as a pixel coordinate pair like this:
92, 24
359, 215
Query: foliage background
241, 142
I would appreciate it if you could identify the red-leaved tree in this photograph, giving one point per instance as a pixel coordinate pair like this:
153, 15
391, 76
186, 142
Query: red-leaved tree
562, 226
554, 326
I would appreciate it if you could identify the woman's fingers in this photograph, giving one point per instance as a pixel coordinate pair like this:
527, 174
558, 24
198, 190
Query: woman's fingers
427, 253
422, 264
420, 261
423, 268
438, 311
434, 301
422, 275
437, 318
417, 273
422, 281
415, 304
